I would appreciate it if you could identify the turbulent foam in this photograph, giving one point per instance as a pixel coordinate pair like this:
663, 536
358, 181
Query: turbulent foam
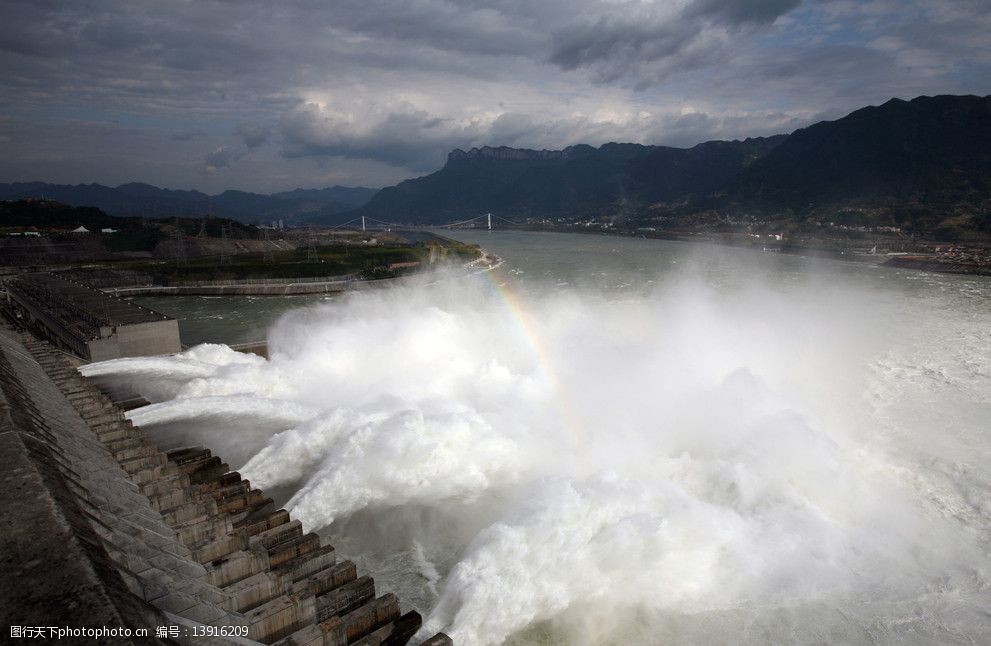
689, 454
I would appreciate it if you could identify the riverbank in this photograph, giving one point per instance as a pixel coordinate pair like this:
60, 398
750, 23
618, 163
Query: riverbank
290, 287
944, 258
949, 266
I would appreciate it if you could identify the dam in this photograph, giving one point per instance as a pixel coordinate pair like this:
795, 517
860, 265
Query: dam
739, 466
103, 531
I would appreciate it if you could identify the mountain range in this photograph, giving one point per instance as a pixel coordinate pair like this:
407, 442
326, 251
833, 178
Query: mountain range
579, 180
145, 200
924, 160
923, 165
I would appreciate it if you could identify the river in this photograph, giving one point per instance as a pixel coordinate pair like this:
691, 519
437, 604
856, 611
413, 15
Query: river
619, 440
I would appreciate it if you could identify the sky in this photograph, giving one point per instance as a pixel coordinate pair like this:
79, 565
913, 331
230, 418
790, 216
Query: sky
265, 96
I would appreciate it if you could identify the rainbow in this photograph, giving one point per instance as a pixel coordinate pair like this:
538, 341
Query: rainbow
529, 329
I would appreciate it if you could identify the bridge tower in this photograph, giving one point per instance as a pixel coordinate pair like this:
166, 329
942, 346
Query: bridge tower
489, 215
362, 224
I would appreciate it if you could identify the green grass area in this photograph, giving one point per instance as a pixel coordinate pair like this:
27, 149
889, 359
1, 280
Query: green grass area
141, 240
368, 261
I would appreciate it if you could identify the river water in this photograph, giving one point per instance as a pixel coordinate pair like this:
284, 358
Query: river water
616, 440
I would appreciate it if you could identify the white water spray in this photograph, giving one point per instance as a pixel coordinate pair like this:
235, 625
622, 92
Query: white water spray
690, 466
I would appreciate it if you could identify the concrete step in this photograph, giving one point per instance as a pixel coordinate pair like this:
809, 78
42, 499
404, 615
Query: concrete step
258, 509
247, 594
204, 530
218, 549
308, 564
98, 419
226, 480
344, 599
168, 483
292, 549
280, 617
231, 490
199, 464
189, 511
370, 617
168, 502
236, 567
139, 450
90, 407
150, 474
395, 633
242, 502
263, 522
207, 471
126, 443
188, 454
279, 534
145, 462
315, 635
330, 578
117, 432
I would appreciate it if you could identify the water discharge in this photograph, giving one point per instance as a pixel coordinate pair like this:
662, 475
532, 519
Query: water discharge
729, 455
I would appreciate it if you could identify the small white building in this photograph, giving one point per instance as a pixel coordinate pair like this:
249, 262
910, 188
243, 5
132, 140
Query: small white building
81, 229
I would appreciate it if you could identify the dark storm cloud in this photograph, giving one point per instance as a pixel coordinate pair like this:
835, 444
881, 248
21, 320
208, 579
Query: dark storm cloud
644, 44
740, 12
405, 137
420, 141
620, 43
253, 135
389, 87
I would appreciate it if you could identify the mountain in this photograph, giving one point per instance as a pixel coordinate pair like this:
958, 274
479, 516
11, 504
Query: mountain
669, 174
145, 200
48, 213
927, 157
352, 196
933, 149
922, 165
501, 180
580, 179
51, 214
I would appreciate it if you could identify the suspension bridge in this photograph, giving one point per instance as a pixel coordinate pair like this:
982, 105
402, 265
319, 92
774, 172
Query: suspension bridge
368, 223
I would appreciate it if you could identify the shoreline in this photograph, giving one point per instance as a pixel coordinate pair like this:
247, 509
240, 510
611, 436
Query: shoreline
292, 286
913, 261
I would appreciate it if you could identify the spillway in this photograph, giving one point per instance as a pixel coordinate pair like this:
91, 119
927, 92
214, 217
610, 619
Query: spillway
102, 529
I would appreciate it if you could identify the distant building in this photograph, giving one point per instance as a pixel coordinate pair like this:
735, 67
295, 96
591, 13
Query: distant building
108, 230
80, 229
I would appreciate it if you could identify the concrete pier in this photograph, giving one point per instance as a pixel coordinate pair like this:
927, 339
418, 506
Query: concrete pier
103, 529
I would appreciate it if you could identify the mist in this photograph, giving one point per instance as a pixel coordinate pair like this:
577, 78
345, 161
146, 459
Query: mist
684, 463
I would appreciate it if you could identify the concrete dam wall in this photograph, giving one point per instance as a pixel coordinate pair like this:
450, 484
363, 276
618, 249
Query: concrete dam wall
100, 528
